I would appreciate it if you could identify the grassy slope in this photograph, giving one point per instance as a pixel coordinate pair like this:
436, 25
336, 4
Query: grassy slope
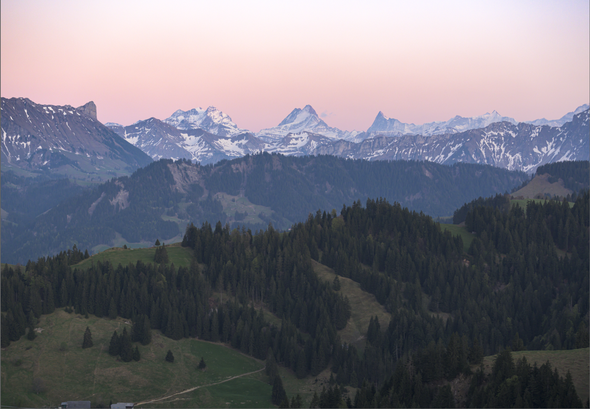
92, 374
180, 256
459, 230
540, 186
233, 204
363, 307
574, 360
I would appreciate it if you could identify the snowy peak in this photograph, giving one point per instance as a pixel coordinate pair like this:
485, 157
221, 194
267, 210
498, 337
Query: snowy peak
303, 120
392, 127
306, 117
561, 121
211, 120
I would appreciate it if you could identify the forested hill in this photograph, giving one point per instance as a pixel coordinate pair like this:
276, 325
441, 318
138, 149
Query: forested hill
575, 174
160, 200
523, 285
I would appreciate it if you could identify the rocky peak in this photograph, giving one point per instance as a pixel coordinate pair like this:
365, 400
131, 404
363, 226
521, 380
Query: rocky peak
88, 109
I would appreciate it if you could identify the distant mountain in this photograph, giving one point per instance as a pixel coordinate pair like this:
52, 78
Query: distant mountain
519, 146
392, 127
210, 120
298, 144
303, 120
560, 122
162, 140
63, 141
160, 200
490, 138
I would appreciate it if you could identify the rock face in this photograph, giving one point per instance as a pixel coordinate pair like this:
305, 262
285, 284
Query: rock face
62, 140
88, 109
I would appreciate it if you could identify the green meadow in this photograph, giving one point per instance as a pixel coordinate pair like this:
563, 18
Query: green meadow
54, 368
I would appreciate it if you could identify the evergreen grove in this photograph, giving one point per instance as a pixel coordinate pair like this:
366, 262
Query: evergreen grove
523, 284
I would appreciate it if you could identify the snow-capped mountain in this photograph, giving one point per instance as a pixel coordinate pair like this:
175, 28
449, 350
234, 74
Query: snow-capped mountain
211, 120
64, 140
519, 146
298, 144
491, 139
559, 122
303, 120
162, 140
392, 127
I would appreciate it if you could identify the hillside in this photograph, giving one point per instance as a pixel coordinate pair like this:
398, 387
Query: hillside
574, 360
62, 370
559, 179
432, 309
159, 201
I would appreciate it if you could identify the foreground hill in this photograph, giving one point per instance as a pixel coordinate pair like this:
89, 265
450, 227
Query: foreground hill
63, 141
523, 284
161, 199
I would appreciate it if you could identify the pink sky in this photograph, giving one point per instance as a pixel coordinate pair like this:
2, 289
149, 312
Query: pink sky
416, 61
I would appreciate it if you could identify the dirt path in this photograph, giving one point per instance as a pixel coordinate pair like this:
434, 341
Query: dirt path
198, 387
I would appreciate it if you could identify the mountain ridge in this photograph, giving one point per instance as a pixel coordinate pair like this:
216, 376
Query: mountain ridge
63, 140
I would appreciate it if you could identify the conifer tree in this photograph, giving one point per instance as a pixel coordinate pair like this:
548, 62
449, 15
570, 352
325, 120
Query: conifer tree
114, 346
87, 343
126, 347
112, 309
161, 256
202, 364
4, 334
169, 356
31, 334
136, 355
278, 391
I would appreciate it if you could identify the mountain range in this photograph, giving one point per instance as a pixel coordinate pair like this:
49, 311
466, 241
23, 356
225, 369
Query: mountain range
71, 141
488, 139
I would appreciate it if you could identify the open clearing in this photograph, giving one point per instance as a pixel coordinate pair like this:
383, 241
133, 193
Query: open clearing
73, 373
459, 230
574, 360
180, 256
363, 306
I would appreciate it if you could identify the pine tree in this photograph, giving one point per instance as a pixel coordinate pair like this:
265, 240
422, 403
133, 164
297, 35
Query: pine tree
169, 357
4, 334
136, 355
87, 343
161, 256
114, 346
157, 242
278, 391
31, 334
202, 364
126, 347
112, 309
336, 284
315, 401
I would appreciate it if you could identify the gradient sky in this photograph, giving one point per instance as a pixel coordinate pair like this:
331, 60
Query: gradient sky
417, 61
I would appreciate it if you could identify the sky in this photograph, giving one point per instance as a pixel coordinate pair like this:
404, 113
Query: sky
416, 61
